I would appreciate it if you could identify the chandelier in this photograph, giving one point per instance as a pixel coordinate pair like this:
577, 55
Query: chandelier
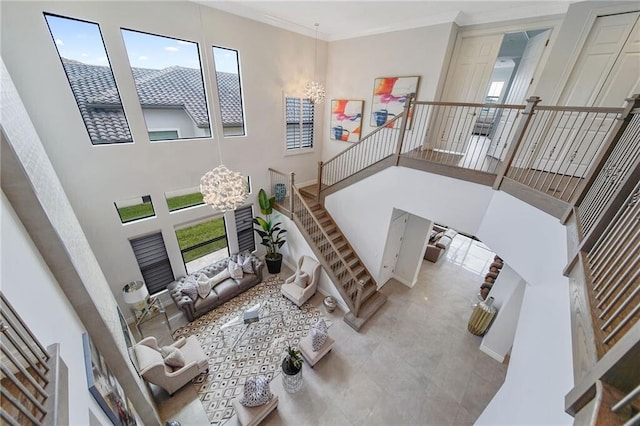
313, 89
223, 189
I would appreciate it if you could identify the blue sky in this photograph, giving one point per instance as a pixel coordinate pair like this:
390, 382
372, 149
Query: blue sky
82, 42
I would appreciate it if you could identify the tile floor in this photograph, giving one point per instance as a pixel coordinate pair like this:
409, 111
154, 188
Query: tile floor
414, 363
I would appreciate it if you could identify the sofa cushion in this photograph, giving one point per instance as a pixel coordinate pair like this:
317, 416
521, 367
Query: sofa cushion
204, 287
206, 304
190, 288
235, 270
318, 334
221, 276
301, 279
227, 289
256, 391
172, 356
246, 264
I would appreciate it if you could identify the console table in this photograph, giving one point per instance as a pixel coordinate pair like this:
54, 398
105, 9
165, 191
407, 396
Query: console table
152, 308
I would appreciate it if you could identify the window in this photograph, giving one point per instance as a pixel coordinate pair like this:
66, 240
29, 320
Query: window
183, 198
153, 261
135, 209
203, 239
299, 120
495, 89
229, 90
169, 82
244, 229
85, 62
160, 135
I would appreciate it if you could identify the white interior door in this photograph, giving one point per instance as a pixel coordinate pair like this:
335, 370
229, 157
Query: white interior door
607, 71
392, 248
467, 81
518, 92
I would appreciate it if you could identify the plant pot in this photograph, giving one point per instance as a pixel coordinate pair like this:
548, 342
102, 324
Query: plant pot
291, 378
274, 265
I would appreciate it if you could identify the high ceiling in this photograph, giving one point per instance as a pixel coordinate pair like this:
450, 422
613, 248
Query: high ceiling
347, 19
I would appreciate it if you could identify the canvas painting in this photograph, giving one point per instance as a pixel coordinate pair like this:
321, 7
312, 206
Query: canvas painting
105, 388
346, 120
389, 97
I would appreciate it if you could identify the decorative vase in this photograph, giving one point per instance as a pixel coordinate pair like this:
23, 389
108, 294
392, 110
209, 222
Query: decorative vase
330, 304
291, 380
274, 265
281, 192
481, 317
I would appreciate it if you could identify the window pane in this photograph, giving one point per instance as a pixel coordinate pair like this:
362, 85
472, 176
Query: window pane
229, 90
159, 135
135, 209
86, 64
183, 198
299, 123
204, 239
169, 82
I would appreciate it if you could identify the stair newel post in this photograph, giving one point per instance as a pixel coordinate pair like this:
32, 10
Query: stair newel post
517, 139
320, 165
291, 183
403, 125
358, 301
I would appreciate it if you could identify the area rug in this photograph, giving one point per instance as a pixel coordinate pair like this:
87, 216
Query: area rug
259, 352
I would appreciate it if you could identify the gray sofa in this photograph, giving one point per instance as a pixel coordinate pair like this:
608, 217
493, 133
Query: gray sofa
439, 243
219, 294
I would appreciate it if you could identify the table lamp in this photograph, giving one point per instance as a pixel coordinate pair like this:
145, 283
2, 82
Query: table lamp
135, 293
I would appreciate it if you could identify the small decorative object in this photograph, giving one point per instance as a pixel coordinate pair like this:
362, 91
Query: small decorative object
292, 370
135, 293
389, 96
172, 423
271, 233
481, 317
314, 89
281, 192
346, 120
330, 304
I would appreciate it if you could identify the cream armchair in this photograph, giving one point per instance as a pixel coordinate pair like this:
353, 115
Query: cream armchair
292, 291
153, 369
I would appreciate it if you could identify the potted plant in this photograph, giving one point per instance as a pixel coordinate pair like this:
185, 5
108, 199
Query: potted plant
271, 233
292, 370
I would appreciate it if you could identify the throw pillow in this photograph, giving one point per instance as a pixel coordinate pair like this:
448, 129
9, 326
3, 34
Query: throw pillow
256, 391
246, 264
172, 356
220, 277
235, 270
301, 279
204, 288
318, 334
190, 288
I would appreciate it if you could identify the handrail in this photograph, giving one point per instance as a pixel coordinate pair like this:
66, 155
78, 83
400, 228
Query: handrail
376, 130
468, 104
277, 172
326, 237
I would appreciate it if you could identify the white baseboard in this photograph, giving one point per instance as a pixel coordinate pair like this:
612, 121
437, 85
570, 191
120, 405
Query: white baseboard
403, 281
491, 353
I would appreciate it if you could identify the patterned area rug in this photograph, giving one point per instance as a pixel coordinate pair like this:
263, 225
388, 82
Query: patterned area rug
258, 352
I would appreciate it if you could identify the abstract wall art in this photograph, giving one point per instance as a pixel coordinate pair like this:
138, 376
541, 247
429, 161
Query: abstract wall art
346, 120
389, 97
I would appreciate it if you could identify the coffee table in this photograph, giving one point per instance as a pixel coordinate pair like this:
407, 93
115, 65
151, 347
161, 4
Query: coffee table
260, 312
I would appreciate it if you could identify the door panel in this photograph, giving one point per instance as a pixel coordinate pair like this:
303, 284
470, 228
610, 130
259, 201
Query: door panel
392, 248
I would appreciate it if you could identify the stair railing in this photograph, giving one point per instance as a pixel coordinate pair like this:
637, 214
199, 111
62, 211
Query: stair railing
353, 287
279, 181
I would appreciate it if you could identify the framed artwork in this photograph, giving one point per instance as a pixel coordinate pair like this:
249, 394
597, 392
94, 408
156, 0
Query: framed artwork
346, 120
105, 388
389, 97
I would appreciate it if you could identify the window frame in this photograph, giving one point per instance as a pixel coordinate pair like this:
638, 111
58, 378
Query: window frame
300, 149
203, 243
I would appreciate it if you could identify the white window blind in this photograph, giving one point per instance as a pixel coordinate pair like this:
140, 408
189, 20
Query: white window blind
299, 121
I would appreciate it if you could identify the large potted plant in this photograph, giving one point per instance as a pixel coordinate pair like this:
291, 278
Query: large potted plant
292, 370
271, 233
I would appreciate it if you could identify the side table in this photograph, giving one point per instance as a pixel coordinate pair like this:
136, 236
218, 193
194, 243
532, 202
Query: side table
152, 308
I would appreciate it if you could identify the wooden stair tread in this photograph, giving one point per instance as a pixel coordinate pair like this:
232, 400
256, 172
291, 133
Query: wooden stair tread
368, 308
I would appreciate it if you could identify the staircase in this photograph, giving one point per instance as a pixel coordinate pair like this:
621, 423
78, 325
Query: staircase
348, 273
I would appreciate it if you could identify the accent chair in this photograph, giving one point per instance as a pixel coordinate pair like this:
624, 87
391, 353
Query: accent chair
292, 288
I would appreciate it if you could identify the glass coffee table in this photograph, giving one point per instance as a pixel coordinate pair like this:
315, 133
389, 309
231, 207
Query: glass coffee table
240, 325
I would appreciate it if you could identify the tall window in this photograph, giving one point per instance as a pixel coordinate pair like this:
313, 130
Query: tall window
244, 228
135, 209
153, 261
204, 239
229, 90
170, 86
84, 59
299, 121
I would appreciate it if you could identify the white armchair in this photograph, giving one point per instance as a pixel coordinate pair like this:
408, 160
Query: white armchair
294, 292
153, 369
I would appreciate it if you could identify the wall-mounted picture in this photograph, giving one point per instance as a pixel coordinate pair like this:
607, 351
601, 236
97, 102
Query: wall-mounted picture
389, 97
105, 388
346, 120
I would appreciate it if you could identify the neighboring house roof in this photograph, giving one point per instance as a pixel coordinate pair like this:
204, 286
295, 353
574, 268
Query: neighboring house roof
173, 87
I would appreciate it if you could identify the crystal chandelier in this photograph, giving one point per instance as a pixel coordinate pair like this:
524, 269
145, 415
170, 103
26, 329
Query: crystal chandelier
313, 89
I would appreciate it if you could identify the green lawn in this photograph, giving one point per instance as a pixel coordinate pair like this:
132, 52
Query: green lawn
188, 237
182, 201
139, 211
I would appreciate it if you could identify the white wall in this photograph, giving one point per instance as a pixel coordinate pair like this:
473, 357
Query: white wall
364, 209
354, 64
534, 244
273, 61
35, 294
172, 119
507, 292
414, 244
